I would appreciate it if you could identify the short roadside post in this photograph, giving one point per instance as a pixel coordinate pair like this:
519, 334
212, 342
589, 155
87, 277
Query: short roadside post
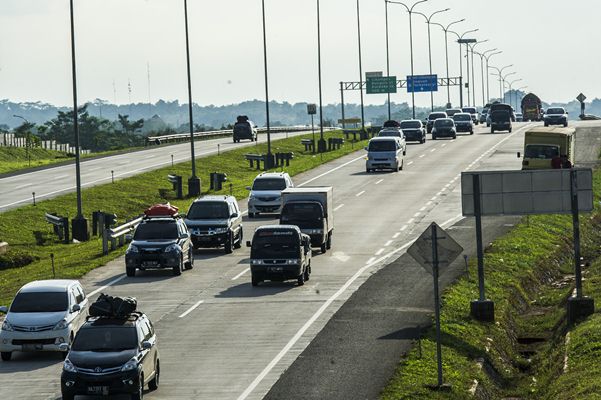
581, 97
433, 250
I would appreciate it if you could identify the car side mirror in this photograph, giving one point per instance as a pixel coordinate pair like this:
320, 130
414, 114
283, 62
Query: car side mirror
519, 154
365, 148
64, 347
235, 215
4, 310
184, 216
146, 345
248, 188
75, 308
248, 243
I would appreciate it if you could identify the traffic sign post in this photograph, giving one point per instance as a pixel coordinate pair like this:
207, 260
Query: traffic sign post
312, 110
433, 250
381, 85
581, 97
422, 83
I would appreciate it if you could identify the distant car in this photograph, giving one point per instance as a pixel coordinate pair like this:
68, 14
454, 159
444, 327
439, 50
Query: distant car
384, 153
244, 129
519, 117
266, 193
42, 316
444, 127
483, 115
161, 241
433, 117
500, 117
473, 112
215, 221
556, 116
112, 356
391, 124
414, 130
464, 123
452, 111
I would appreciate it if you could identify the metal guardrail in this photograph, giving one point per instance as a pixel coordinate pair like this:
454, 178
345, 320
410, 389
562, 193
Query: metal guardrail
60, 226
116, 235
182, 137
176, 181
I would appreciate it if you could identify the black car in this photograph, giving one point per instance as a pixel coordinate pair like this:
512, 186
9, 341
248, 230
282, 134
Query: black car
413, 129
215, 221
444, 127
500, 116
433, 117
556, 116
112, 356
160, 242
464, 122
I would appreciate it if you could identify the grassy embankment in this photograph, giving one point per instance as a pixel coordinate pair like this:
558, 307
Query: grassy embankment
529, 275
15, 158
128, 198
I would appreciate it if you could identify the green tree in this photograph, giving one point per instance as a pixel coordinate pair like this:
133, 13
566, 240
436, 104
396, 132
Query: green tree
130, 127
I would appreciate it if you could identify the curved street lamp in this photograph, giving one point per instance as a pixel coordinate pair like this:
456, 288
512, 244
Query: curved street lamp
482, 57
505, 79
446, 47
472, 47
510, 89
488, 57
459, 38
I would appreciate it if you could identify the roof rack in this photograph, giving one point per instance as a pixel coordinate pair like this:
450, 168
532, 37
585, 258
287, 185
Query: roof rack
133, 316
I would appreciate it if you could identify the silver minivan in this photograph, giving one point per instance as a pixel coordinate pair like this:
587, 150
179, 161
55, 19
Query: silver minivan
42, 316
384, 153
266, 193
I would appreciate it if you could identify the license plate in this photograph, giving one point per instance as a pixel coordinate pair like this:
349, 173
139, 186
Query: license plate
276, 269
32, 347
98, 390
150, 263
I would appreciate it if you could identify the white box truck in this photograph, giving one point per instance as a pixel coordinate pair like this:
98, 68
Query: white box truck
310, 208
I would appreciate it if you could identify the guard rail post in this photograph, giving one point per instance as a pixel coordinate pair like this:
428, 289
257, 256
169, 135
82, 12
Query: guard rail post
176, 181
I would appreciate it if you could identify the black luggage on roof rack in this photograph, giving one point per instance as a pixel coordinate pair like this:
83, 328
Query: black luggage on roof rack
109, 306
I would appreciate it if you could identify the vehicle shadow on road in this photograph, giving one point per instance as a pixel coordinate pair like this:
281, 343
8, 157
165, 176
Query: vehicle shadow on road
28, 362
246, 290
208, 254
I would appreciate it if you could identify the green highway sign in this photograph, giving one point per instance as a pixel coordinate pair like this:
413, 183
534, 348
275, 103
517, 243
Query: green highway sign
383, 84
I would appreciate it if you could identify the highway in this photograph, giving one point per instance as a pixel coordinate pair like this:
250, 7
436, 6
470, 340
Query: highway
55, 181
220, 338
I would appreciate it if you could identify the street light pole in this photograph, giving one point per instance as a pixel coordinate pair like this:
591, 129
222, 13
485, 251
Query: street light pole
428, 21
474, 70
488, 74
193, 181
504, 79
446, 49
321, 144
269, 161
360, 66
516, 98
79, 225
410, 11
482, 56
387, 56
510, 87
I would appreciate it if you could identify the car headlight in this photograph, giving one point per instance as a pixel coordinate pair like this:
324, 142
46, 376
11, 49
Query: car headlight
68, 366
315, 231
293, 261
256, 262
172, 248
132, 249
6, 326
61, 325
130, 365
221, 230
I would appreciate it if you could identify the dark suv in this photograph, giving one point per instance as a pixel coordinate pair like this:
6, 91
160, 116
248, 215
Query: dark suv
160, 242
433, 117
111, 356
444, 127
215, 221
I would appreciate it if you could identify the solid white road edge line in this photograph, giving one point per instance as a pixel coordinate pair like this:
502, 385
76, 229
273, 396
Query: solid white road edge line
339, 207
320, 311
240, 274
111, 283
360, 194
191, 309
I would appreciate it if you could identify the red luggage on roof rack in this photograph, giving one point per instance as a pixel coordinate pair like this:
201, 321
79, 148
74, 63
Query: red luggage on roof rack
164, 210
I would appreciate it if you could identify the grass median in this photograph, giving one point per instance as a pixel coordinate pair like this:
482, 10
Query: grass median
529, 276
127, 198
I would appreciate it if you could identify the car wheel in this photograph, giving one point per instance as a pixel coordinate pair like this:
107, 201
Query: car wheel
190, 263
433, 137
405, 152
254, 280
229, 244
329, 242
238, 244
454, 136
131, 272
565, 125
177, 269
510, 129
154, 383
402, 164
546, 124
324, 248
492, 130
139, 395
66, 396
471, 132
6, 355
367, 170
301, 279
308, 272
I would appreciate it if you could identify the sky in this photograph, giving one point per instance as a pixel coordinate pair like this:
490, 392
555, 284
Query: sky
552, 44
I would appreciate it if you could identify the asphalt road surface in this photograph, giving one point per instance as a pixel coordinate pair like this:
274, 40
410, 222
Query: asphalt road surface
55, 181
220, 338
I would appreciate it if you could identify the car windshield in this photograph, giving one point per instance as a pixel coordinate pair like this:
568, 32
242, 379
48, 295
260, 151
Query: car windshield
302, 215
541, 151
33, 302
209, 210
470, 110
275, 244
411, 125
156, 230
269, 184
106, 338
435, 116
462, 117
555, 111
390, 133
443, 123
382, 145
